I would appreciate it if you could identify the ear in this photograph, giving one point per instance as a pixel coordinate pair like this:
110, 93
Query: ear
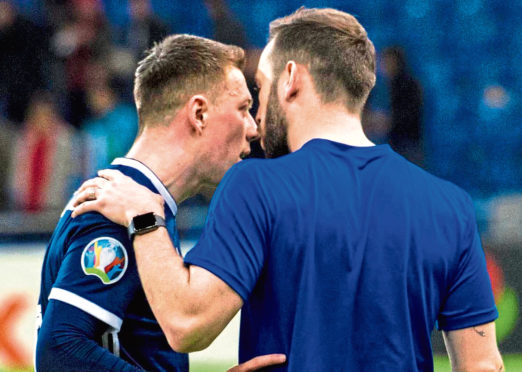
293, 81
197, 108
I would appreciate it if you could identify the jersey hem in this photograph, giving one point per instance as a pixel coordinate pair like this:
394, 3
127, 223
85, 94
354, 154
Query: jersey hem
229, 279
468, 321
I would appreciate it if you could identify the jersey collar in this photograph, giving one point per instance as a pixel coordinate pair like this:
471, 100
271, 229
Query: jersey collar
160, 187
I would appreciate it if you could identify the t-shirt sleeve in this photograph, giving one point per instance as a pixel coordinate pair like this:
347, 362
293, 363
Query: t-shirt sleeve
98, 273
470, 299
234, 240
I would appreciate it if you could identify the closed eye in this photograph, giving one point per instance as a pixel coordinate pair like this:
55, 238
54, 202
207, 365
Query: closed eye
246, 106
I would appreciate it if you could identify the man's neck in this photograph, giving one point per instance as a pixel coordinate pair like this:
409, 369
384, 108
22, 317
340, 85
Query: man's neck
173, 164
331, 122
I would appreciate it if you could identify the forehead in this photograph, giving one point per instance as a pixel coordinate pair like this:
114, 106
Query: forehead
264, 68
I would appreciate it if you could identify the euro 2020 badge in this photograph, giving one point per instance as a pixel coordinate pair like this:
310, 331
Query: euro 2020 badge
105, 258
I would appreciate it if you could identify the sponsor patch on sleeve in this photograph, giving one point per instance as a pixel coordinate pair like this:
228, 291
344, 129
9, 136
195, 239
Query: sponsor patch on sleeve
105, 258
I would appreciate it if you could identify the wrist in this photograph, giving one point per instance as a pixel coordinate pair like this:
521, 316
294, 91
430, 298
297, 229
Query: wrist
155, 205
145, 223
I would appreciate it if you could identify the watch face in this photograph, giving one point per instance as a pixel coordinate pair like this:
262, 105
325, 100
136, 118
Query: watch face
144, 220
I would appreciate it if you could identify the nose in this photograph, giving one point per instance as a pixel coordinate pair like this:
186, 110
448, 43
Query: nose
251, 129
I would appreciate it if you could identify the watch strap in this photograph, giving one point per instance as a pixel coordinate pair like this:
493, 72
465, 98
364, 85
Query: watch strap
145, 223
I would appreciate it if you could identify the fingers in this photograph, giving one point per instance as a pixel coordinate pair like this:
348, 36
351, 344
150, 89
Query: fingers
88, 190
110, 174
90, 183
259, 362
84, 207
83, 196
104, 176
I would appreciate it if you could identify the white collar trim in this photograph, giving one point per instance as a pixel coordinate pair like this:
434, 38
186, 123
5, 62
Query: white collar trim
160, 187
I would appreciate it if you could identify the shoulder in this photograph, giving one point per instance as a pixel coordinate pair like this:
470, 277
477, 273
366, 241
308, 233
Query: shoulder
85, 256
260, 174
447, 189
92, 226
416, 175
246, 171
447, 199
249, 183
262, 167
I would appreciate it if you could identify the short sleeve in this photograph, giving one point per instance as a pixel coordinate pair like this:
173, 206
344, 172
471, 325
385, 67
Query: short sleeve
470, 299
98, 274
234, 239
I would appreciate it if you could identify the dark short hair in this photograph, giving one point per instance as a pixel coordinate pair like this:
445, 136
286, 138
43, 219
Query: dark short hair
336, 49
177, 68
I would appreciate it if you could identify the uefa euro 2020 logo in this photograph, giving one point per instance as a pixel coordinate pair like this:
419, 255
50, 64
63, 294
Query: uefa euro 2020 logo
105, 258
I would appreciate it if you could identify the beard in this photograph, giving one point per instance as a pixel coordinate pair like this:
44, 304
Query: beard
276, 127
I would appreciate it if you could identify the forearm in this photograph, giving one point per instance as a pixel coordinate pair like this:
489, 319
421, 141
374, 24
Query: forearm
479, 367
473, 349
491, 363
73, 353
162, 272
66, 343
178, 296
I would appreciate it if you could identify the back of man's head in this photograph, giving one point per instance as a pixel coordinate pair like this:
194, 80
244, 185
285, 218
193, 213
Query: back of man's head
177, 68
335, 48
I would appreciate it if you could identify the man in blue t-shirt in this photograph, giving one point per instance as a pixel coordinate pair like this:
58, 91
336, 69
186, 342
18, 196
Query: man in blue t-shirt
191, 95
343, 255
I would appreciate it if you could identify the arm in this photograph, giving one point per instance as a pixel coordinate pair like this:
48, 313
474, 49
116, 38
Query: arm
473, 349
66, 342
467, 317
191, 304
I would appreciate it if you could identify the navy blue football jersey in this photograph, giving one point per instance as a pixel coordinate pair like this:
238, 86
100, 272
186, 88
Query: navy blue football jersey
346, 258
90, 264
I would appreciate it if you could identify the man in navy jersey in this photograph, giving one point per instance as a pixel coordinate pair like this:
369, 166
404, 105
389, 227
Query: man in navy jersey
193, 106
343, 255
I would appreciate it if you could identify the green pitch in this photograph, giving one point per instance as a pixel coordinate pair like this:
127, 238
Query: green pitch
512, 362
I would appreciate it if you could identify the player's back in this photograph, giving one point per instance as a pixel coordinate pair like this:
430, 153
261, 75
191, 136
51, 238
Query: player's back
363, 249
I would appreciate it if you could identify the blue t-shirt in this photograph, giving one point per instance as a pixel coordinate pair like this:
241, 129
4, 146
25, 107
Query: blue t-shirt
90, 264
345, 257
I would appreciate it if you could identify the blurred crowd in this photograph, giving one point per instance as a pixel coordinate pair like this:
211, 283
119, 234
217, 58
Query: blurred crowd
66, 106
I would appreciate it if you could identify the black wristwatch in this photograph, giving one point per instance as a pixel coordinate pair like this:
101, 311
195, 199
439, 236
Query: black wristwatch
144, 223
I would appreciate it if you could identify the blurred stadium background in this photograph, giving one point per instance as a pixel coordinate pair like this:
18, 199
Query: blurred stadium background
448, 97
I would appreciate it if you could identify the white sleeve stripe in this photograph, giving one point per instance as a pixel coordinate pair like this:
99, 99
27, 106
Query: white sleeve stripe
87, 306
